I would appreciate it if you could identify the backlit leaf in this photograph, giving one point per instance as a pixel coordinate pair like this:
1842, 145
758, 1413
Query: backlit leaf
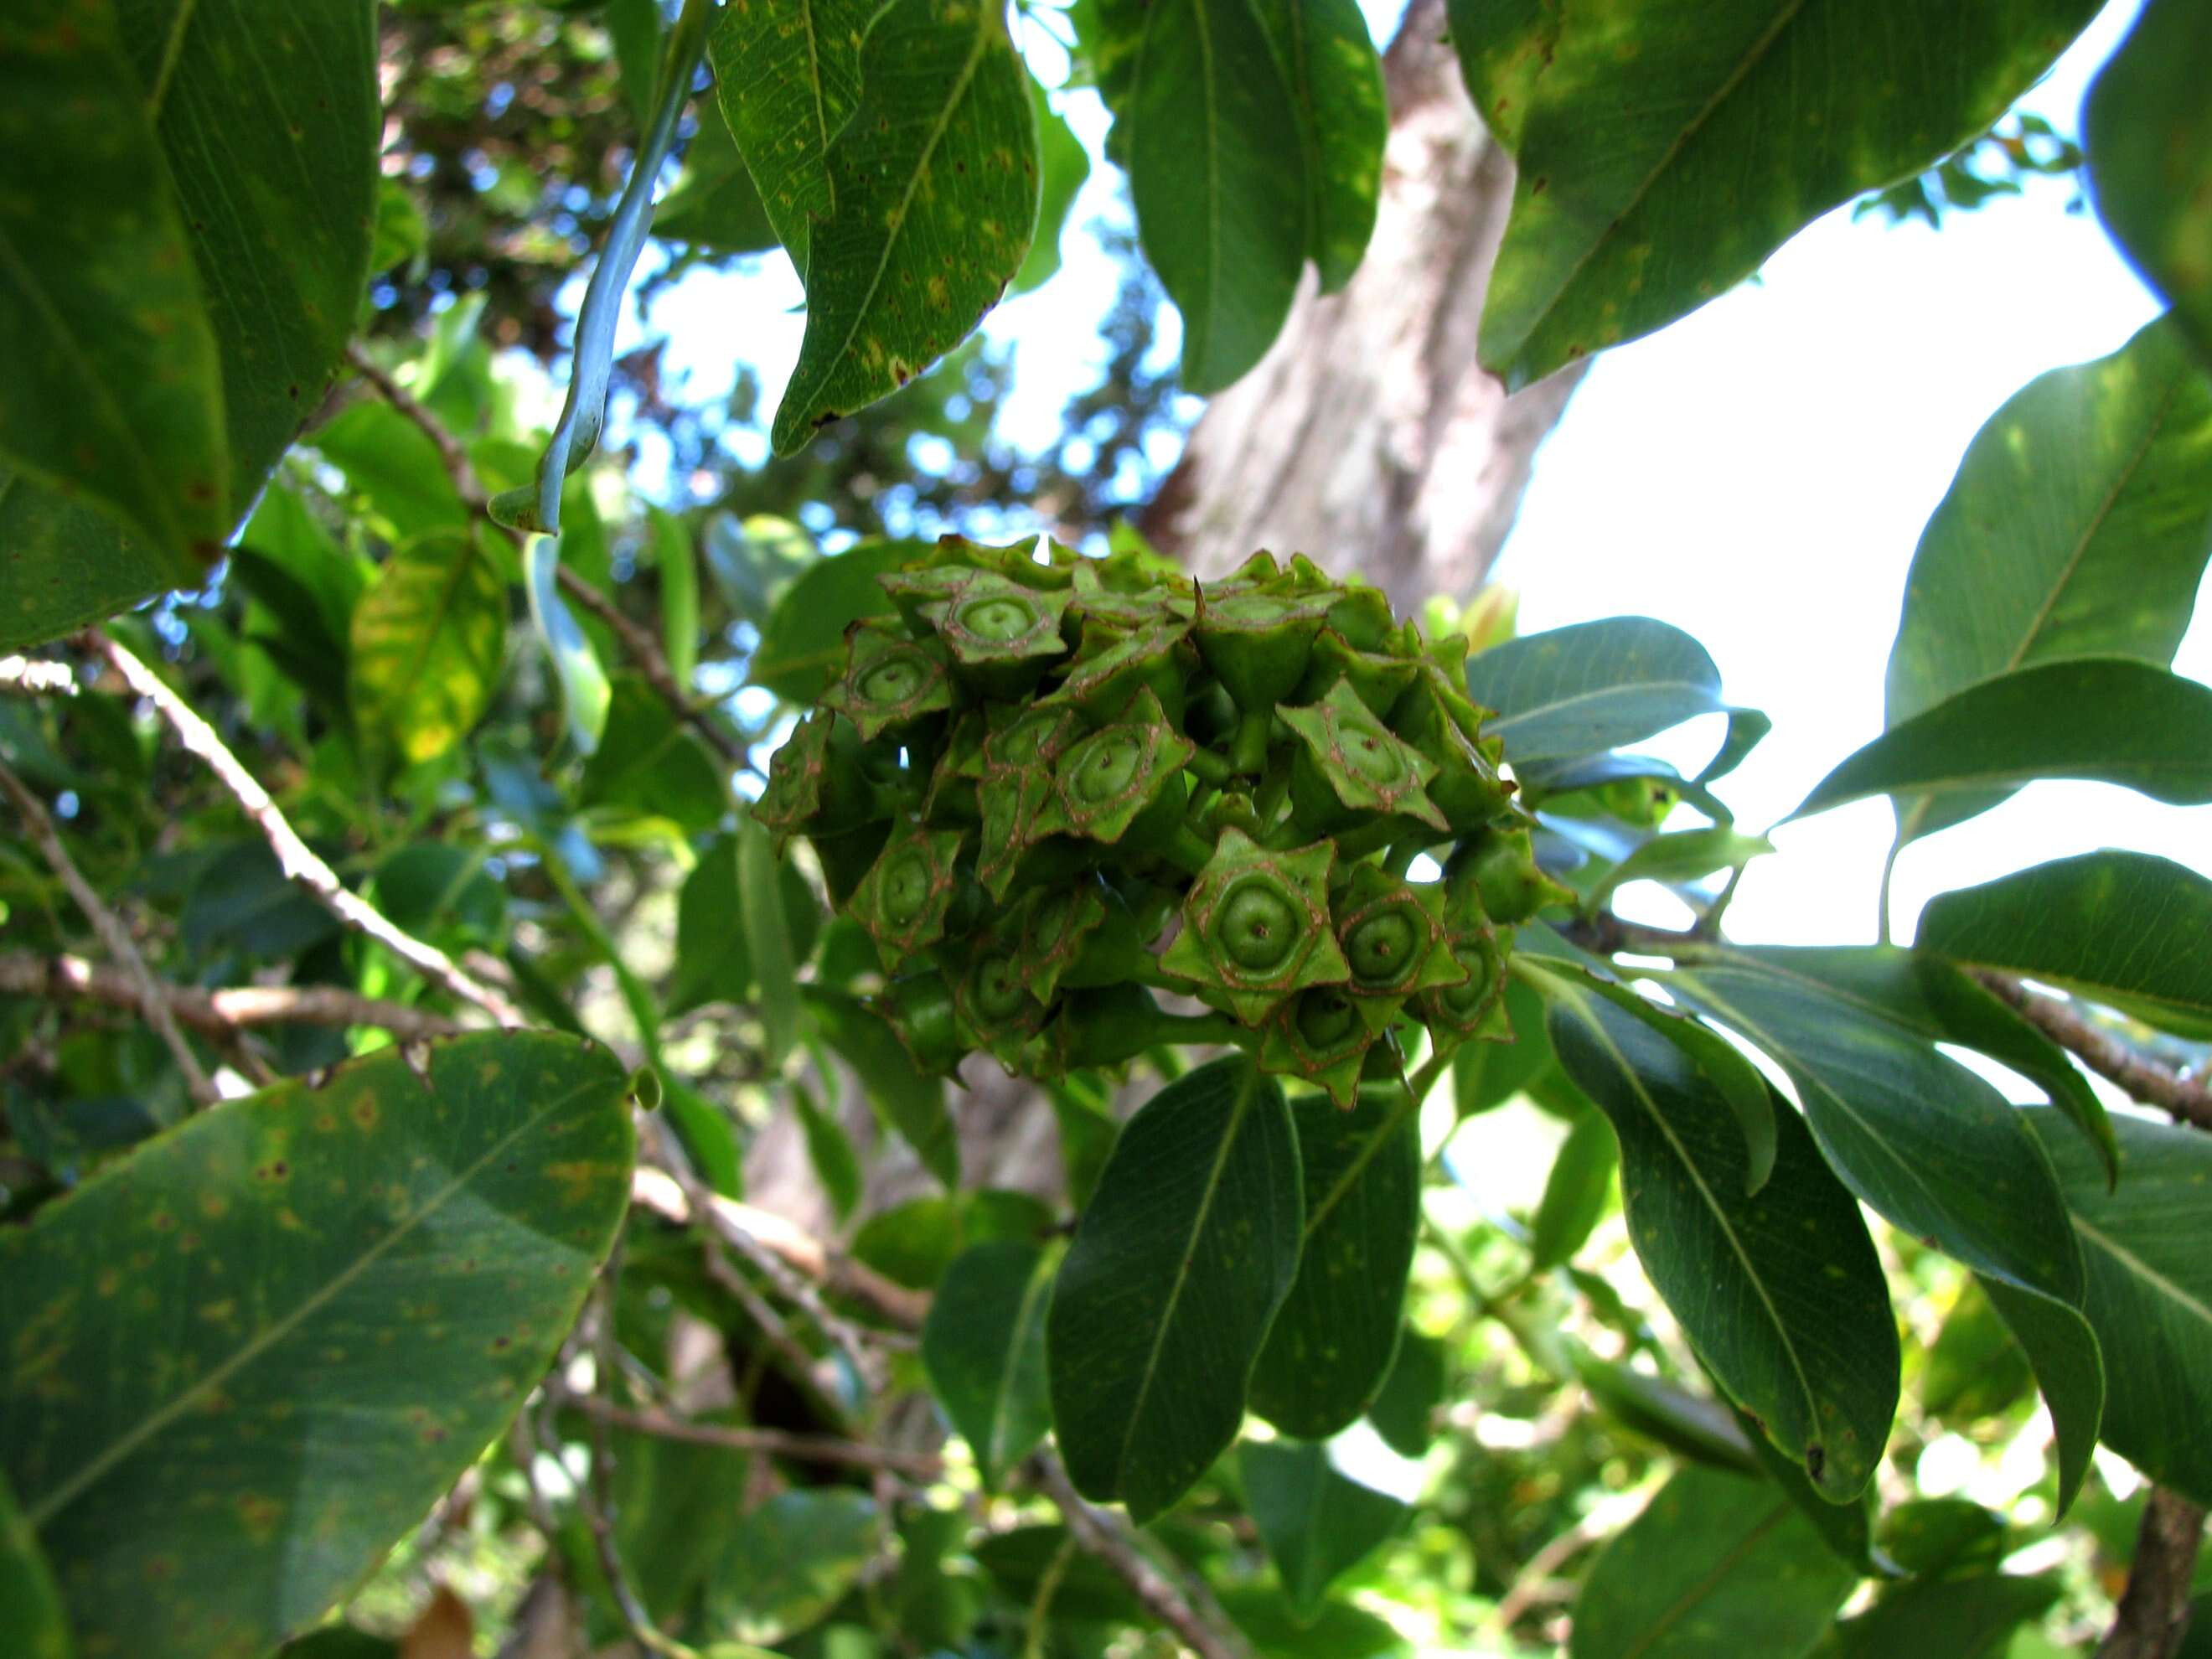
802, 648
1335, 81
1578, 690
1065, 165
1575, 1194
787, 77
984, 1349
430, 639
1411, 1394
1317, 1523
1183, 1255
334, 1296
714, 203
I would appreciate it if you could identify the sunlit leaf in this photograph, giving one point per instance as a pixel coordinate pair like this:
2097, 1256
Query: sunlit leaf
1592, 686
1335, 78
788, 75
802, 647
430, 639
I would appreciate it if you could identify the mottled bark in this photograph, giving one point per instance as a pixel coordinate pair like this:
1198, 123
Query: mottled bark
2152, 1620
1369, 438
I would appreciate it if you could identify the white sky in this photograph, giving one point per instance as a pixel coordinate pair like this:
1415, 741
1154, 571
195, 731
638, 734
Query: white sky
1756, 474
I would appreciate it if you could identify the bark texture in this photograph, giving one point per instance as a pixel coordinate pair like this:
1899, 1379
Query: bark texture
1369, 438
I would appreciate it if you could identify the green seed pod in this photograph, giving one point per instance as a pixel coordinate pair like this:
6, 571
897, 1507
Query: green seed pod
1502, 865
919, 1009
1436, 718
1002, 636
891, 682
846, 860
1378, 677
1349, 766
1112, 953
995, 1009
1360, 615
903, 899
1108, 1026
1105, 780
1472, 1010
1053, 925
815, 782
1019, 752
1392, 934
1256, 638
1320, 1036
1255, 926
1113, 664
1132, 588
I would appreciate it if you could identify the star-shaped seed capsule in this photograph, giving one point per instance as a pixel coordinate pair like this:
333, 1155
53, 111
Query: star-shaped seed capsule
1255, 926
1350, 765
1320, 1035
1393, 935
890, 680
901, 900
1103, 782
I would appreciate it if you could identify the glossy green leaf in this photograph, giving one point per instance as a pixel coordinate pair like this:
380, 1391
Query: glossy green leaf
790, 1562
394, 468
586, 694
2148, 133
714, 203
1702, 1430
983, 1346
775, 966
1592, 686
1946, 1617
2110, 718
334, 1298
1402, 1411
651, 763
1064, 165
1330, 1346
1211, 137
1682, 856
2126, 929
114, 389
1317, 1523
1659, 166
787, 77
1781, 1292
1716, 1564
430, 639
917, 1243
935, 185
1575, 1194
1336, 82
30, 1606
802, 648
1504, 47
909, 1102
678, 566
2150, 1291
2078, 525
1939, 1153
1183, 1255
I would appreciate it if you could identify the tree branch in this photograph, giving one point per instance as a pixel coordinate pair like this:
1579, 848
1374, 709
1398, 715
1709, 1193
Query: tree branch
219, 1014
2154, 1611
21, 677
298, 862
113, 933
636, 641
2186, 1099
776, 1443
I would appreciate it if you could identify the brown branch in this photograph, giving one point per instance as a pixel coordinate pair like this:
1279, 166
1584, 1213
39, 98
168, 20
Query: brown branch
219, 1014
21, 677
2186, 1099
2153, 1612
113, 933
776, 1443
1190, 1613
294, 856
636, 639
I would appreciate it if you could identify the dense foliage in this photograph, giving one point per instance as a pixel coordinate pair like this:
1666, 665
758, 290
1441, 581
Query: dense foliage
437, 874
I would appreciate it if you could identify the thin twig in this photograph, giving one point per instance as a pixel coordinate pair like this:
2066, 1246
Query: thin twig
775, 1442
636, 639
113, 933
1191, 1613
2153, 1620
2186, 1099
294, 856
20, 676
219, 1014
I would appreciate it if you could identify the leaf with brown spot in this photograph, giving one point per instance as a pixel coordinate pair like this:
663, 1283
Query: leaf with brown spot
232, 1476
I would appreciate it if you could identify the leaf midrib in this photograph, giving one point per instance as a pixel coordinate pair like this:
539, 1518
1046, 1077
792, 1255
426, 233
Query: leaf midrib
1597, 693
1039, 1281
2136, 1268
124, 1445
1699, 1591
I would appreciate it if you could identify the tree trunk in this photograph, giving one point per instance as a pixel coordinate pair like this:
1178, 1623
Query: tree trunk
1369, 438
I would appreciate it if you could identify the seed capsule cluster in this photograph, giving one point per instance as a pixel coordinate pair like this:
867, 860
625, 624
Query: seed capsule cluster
1052, 789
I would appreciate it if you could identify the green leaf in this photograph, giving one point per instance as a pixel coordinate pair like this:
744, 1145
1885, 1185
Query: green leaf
1659, 166
1593, 686
714, 204
1184, 1254
909, 1101
1504, 46
651, 763
983, 1346
789, 1563
775, 966
672, 1513
440, 889
1335, 78
1575, 1194
2078, 525
787, 77
1211, 143
430, 639
1682, 856
935, 182
1937, 1152
1486, 1075
1702, 1430
1946, 1617
802, 648
1781, 1293
829, 1151
714, 962
2110, 718
586, 694
64, 563
1716, 1564
334, 1298
1976, 1367
2125, 929
395, 468
1316, 1524
1330, 1346
1087, 1590
2150, 138
1847, 1528
917, 1243
1065, 165
30, 1606
1411, 1394
1338, 1631
2150, 1291
114, 388
678, 569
